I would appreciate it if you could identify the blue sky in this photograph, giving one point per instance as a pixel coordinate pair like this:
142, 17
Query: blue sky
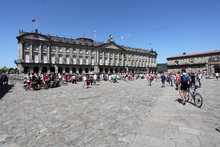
171, 26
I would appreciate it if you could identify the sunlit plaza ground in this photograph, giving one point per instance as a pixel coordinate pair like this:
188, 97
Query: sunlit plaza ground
111, 114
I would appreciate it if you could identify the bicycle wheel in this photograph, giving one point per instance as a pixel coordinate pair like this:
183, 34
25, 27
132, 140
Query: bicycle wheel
198, 101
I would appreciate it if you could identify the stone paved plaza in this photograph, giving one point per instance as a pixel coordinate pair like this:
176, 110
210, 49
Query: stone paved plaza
125, 114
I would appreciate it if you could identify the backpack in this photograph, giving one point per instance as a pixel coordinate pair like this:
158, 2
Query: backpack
184, 78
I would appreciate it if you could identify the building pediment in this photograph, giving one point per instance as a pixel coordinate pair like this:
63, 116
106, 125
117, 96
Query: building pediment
112, 46
34, 36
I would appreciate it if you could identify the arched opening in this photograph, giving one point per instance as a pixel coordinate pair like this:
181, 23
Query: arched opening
60, 70
92, 69
86, 70
121, 70
44, 70
106, 70
116, 70
74, 70
36, 69
111, 70
80, 70
67, 70
101, 70
132, 70
26, 69
52, 69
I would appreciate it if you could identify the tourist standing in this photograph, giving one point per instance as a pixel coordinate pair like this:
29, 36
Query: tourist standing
199, 78
184, 85
94, 79
217, 75
163, 79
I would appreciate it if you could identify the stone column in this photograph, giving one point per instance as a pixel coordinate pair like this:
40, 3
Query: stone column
48, 54
77, 57
117, 62
122, 60
64, 55
64, 69
113, 58
103, 58
21, 50
90, 59
40, 54
71, 56
84, 57
97, 58
108, 58
31, 52
56, 56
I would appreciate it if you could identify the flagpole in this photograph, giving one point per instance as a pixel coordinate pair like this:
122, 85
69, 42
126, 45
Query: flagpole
94, 33
36, 25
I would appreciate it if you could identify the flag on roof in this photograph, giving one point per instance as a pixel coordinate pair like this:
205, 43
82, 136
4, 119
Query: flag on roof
34, 20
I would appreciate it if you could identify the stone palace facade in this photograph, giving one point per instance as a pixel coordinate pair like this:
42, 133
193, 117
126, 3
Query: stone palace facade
206, 62
44, 53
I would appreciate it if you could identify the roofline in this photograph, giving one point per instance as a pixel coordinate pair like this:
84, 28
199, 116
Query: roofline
194, 54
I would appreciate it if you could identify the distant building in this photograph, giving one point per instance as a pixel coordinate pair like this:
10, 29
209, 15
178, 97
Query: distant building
44, 53
208, 62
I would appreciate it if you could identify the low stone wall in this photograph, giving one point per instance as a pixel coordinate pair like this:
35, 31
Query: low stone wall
15, 78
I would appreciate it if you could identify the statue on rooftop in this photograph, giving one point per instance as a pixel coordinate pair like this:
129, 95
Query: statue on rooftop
110, 38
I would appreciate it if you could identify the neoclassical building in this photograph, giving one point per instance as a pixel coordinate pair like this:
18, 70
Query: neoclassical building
207, 62
44, 53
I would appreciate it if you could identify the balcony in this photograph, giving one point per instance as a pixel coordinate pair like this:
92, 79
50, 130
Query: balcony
18, 61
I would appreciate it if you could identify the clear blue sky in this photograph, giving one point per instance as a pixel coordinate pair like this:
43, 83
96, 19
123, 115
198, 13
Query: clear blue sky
172, 26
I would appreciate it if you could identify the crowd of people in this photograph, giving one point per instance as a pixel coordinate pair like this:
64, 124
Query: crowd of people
45, 81
37, 81
181, 80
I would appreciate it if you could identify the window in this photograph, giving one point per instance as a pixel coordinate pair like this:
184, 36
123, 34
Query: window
106, 61
87, 60
67, 50
100, 61
53, 59
27, 58
74, 51
36, 58
80, 60
45, 48
80, 51
60, 60
120, 62
36, 47
93, 60
67, 60
87, 52
74, 60
60, 50
112, 61
93, 52
45, 58
53, 48
26, 45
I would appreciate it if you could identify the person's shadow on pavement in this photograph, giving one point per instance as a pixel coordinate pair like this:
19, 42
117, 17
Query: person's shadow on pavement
179, 100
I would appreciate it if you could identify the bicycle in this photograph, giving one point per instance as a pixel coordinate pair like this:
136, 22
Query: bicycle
197, 98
